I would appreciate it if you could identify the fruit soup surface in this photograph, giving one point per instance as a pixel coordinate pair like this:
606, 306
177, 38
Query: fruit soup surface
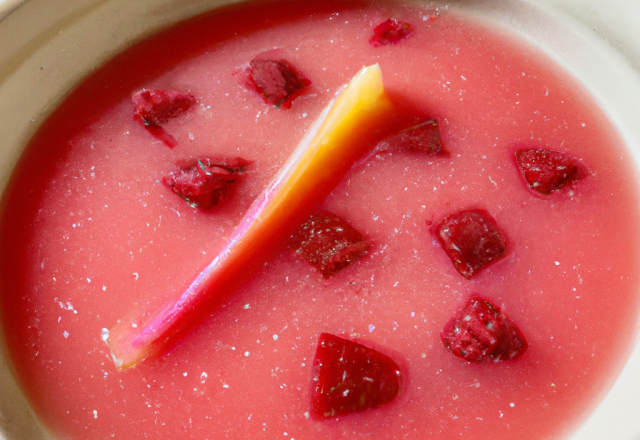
90, 233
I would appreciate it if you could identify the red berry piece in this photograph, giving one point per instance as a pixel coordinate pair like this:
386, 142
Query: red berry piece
348, 377
480, 332
421, 138
471, 239
203, 183
328, 243
390, 32
155, 107
276, 79
546, 171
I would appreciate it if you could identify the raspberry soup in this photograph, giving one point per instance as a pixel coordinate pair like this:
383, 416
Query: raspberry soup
191, 373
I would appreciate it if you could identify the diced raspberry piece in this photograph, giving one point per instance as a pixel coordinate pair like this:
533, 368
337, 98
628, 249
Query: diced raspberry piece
471, 239
276, 79
390, 32
203, 183
155, 107
480, 332
421, 138
348, 377
328, 243
546, 171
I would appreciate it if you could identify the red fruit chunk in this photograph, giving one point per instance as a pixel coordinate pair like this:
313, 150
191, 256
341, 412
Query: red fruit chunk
203, 183
421, 138
328, 243
155, 107
480, 332
276, 79
348, 377
546, 171
390, 32
471, 239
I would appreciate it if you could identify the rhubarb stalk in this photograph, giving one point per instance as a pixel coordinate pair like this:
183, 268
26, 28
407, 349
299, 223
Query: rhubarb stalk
340, 136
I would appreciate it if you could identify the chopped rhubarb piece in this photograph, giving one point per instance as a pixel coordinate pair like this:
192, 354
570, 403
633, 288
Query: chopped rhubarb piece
202, 183
328, 243
546, 171
155, 107
348, 377
472, 240
276, 79
342, 133
480, 332
421, 138
390, 32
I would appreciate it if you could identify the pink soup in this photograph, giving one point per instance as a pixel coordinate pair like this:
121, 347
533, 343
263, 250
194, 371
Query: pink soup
89, 233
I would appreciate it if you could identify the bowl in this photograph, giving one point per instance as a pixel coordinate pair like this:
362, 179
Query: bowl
596, 43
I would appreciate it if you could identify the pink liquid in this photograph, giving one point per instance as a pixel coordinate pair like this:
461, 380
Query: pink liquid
89, 234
